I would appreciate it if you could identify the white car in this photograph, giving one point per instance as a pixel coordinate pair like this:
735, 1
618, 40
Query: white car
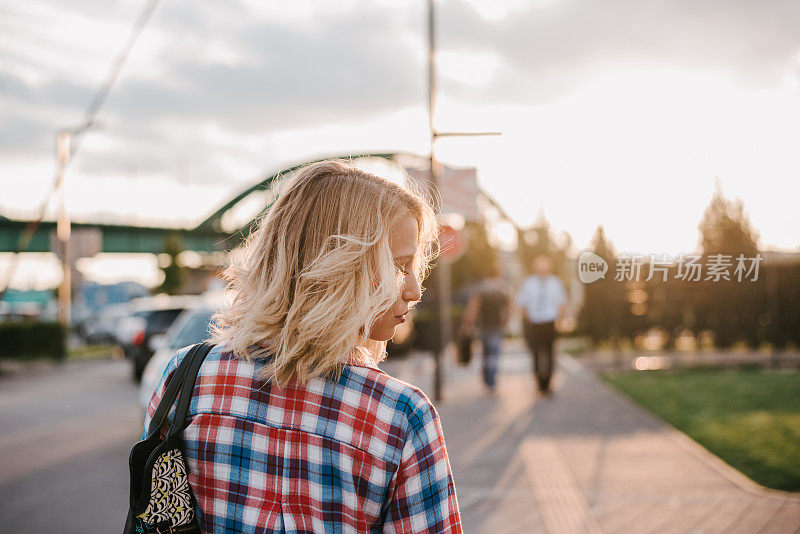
191, 327
149, 317
102, 327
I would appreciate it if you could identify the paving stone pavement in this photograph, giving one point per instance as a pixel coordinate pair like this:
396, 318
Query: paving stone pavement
585, 460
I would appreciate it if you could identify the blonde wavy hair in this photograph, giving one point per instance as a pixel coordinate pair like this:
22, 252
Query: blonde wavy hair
318, 272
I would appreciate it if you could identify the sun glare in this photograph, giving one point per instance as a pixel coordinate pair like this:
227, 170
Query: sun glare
636, 150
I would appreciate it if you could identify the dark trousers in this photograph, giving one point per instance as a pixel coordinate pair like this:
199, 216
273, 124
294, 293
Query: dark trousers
491, 339
540, 338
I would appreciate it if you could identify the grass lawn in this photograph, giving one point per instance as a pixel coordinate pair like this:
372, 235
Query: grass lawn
748, 417
90, 352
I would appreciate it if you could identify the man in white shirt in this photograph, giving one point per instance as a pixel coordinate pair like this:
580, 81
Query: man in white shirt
543, 300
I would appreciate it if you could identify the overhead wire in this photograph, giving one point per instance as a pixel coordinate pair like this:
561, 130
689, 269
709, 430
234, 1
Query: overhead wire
76, 135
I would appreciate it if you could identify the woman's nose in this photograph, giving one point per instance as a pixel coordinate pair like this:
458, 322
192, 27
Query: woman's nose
411, 289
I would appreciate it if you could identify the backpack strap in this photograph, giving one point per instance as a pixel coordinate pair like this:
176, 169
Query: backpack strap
185, 398
171, 392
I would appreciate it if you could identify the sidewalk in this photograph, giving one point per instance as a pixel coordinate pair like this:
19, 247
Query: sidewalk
585, 460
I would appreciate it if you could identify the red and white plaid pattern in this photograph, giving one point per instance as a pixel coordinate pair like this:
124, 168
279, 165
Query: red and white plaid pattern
364, 453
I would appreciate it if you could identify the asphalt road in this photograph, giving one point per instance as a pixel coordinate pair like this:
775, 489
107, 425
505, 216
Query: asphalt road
65, 435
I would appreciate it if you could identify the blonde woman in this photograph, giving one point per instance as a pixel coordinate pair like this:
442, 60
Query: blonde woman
293, 426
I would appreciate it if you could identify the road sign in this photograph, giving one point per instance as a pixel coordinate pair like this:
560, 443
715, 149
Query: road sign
452, 243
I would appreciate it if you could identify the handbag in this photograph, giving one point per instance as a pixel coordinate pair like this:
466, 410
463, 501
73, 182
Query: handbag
464, 349
161, 499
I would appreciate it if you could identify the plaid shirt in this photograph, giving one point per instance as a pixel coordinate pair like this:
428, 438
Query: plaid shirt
365, 453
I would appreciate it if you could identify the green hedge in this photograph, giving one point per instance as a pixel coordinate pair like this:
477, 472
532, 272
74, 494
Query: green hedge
24, 340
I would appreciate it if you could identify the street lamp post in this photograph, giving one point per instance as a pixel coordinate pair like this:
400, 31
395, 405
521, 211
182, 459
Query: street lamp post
442, 271
67, 143
441, 275
63, 230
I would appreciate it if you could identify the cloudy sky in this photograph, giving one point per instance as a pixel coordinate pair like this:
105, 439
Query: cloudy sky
613, 112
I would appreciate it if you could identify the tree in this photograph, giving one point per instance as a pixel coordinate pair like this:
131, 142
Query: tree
538, 240
725, 229
730, 308
477, 258
174, 274
604, 309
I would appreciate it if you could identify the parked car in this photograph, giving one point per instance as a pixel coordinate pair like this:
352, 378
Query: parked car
149, 317
191, 327
101, 327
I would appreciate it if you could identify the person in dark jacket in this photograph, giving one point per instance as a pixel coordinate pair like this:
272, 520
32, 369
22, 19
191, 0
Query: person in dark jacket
488, 309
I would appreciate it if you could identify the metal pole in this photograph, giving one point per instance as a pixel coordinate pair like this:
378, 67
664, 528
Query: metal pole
442, 272
63, 231
441, 276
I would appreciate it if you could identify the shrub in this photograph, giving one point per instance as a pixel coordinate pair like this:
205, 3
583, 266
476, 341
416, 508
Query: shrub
27, 339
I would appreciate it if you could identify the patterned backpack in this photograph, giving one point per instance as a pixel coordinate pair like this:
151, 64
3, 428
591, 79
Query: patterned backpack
161, 499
